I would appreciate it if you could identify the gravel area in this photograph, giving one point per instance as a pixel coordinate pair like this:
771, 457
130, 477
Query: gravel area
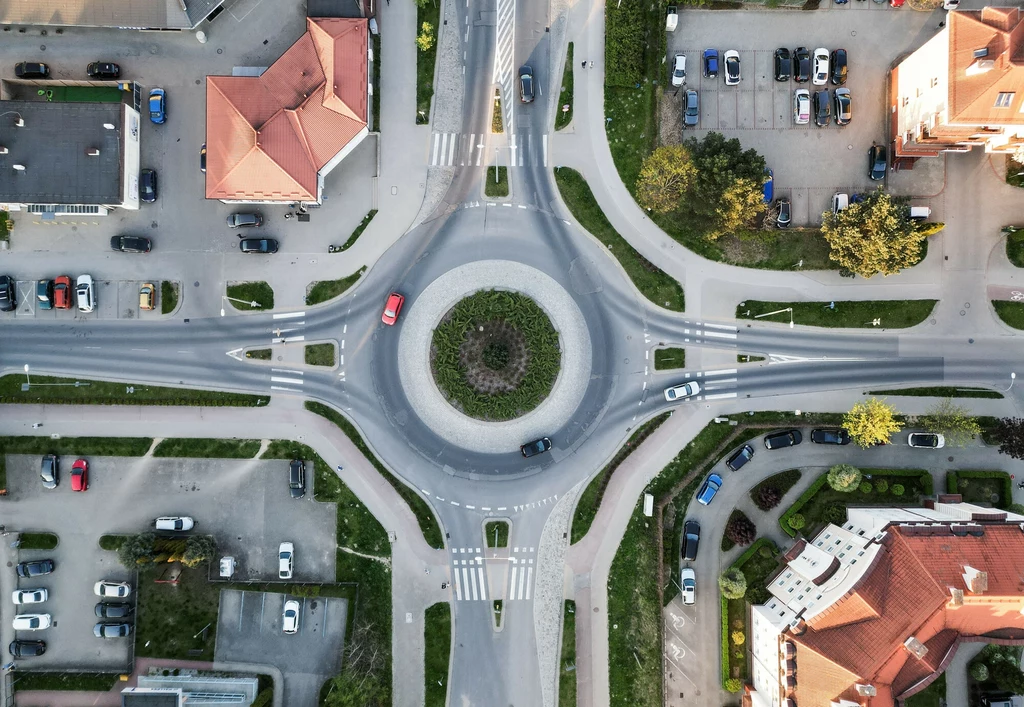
414, 356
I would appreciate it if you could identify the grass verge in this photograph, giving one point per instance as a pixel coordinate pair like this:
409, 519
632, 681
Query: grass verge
320, 355
37, 541
324, 290
359, 229
941, 392
207, 448
260, 354
428, 13
424, 515
564, 117
668, 359
893, 314
77, 682
496, 532
653, 283
567, 667
168, 297
176, 620
112, 543
248, 292
1012, 313
68, 391
497, 117
437, 634
497, 181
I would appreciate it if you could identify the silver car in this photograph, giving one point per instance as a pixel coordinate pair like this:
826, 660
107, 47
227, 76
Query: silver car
801, 106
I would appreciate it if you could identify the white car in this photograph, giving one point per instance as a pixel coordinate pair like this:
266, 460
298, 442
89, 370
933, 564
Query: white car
31, 622
819, 77
285, 557
679, 392
926, 440
290, 619
176, 524
30, 596
679, 70
732, 67
839, 202
801, 106
85, 293
688, 580
112, 590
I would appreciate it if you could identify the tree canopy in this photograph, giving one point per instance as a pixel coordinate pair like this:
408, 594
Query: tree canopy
1010, 433
874, 235
952, 421
733, 583
727, 180
665, 176
871, 422
844, 478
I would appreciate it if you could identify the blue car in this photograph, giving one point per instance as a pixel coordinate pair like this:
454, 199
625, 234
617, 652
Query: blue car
710, 63
709, 489
769, 186
157, 106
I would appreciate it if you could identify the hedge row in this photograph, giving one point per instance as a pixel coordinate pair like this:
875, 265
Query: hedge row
754, 547
953, 485
725, 639
799, 503
925, 477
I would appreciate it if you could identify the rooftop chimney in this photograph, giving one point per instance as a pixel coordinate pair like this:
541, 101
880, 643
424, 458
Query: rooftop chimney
866, 690
914, 647
976, 580
92, 151
956, 596
18, 167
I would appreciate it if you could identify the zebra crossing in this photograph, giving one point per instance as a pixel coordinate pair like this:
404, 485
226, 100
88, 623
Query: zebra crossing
461, 150
520, 578
473, 574
468, 575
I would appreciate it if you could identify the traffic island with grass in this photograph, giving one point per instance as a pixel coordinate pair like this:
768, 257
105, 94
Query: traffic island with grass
496, 532
747, 358
37, 541
941, 392
260, 354
567, 667
497, 182
866, 314
168, 297
495, 355
324, 290
68, 391
207, 448
563, 114
1011, 313
250, 296
496, 611
668, 359
497, 119
437, 636
320, 355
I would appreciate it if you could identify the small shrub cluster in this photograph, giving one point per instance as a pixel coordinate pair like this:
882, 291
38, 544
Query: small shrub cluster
740, 529
767, 498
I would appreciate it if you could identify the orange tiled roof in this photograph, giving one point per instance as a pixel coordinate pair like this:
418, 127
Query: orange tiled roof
973, 96
269, 136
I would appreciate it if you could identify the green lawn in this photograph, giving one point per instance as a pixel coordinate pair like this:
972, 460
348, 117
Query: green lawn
324, 290
78, 682
667, 359
932, 696
1011, 313
243, 294
430, 13
437, 634
496, 532
985, 488
563, 118
168, 297
362, 224
37, 541
208, 448
941, 392
893, 314
71, 447
653, 283
1015, 247
72, 392
567, 668
170, 618
320, 355
496, 185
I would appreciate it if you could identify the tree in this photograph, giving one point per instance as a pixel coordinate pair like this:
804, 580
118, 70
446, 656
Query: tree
871, 422
767, 497
844, 478
137, 550
796, 521
733, 583
952, 421
875, 235
738, 638
978, 671
740, 203
716, 202
425, 40
1007, 676
1010, 433
665, 176
897, 489
733, 685
199, 549
835, 513
740, 529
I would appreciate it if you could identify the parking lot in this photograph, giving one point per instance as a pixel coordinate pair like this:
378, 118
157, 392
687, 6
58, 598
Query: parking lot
249, 631
810, 163
244, 505
115, 299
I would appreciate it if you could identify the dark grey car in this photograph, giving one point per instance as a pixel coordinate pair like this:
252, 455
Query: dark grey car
297, 478
245, 219
113, 611
131, 244
258, 245
35, 568
7, 298
526, 84
822, 109
691, 540
537, 446
49, 471
691, 108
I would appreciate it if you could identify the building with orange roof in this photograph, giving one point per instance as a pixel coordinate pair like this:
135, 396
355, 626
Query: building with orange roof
964, 87
870, 613
273, 138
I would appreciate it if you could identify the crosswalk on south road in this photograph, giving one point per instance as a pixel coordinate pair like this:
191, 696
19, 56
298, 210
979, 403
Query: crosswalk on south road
462, 150
475, 577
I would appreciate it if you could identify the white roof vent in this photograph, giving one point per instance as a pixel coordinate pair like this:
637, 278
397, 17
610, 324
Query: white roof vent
915, 647
866, 690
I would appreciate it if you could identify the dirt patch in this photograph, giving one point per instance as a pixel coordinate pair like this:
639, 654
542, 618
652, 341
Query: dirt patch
494, 357
670, 116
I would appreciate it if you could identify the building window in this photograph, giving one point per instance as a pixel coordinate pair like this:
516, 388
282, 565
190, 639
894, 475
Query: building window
935, 82
791, 589
1004, 99
842, 555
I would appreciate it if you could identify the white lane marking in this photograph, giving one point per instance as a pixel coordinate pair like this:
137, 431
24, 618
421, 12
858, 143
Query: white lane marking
721, 380
453, 503
529, 580
512, 586
451, 148
472, 508
344, 329
458, 585
720, 335
233, 353
433, 153
289, 315
485, 508
290, 390
544, 148
721, 372
726, 327
720, 396
465, 582
483, 586
294, 381
472, 581
288, 371
522, 578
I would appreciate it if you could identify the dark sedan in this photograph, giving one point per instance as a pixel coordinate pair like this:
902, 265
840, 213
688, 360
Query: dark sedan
830, 436
781, 440
822, 109
740, 458
113, 611
26, 649
877, 163
32, 70
103, 70
131, 244
783, 63
7, 298
258, 245
837, 62
691, 540
35, 568
537, 446
147, 185
801, 65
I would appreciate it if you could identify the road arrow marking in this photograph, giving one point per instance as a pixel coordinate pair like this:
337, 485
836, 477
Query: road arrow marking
234, 353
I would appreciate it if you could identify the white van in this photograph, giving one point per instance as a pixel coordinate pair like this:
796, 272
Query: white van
920, 213
839, 202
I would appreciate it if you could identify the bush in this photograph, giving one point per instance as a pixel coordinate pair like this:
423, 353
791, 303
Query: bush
198, 549
624, 43
738, 638
137, 550
797, 521
930, 228
732, 583
897, 489
733, 685
1007, 676
834, 513
766, 551
767, 498
978, 671
844, 478
740, 529
865, 487
881, 486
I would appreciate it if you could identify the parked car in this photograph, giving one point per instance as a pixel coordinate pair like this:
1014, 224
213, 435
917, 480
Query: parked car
35, 568
877, 162
7, 298
688, 584
131, 244
781, 440
840, 201
768, 188
844, 106
202, 159
691, 109
245, 219
732, 68
106, 70
895, 3
711, 63
175, 524
106, 610
157, 106
801, 106
29, 596
783, 64
820, 77
31, 70
147, 186
112, 590
44, 294
784, 215
49, 471
526, 84
837, 61
392, 308
740, 457
85, 293
830, 436
80, 475
708, 489
679, 70
537, 446
258, 245
691, 540
297, 478
290, 618
147, 296
112, 630
26, 649
822, 109
32, 622
62, 292
678, 392
919, 213
285, 557
921, 440
801, 65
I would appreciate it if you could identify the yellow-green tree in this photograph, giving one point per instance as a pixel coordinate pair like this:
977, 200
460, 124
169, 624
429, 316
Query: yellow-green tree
873, 236
952, 421
665, 176
871, 422
741, 202
425, 40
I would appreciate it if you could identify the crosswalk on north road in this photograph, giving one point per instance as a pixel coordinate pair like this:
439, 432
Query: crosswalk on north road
462, 150
505, 573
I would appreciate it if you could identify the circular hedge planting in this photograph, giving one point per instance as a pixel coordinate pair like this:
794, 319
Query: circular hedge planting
495, 355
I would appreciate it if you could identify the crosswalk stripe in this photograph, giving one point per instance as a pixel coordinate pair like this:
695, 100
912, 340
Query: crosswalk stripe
433, 159
544, 149
465, 582
472, 581
529, 581
483, 586
522, 578
512, 586
458, 585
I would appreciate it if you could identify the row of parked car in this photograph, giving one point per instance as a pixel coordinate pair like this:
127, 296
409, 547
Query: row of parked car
50, 294
101, 70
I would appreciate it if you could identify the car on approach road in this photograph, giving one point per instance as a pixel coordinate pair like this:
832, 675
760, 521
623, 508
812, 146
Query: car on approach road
35, 568
801, 106
678, 392
839, 67
784, 213
112, 590
801, 65
526, 84
7, 298
844, 106
31, 622
820, 76
29, 596
781, 440
877, 163
85, 293
392, 308
679, 70
147, 296
740, 458
62, 292
537, 446
175, 524
131, 244
290, 617
258, 245
691, 109
49, 471
285, 560
245, 219
44, 294
691, 540
732, 68
26, 649
157, 106
921, 440
783, 64
104, 70
112, 630
822, 109
688, 582
834, 435
708, 490
80, 475
297, 478
31, 70
711, 63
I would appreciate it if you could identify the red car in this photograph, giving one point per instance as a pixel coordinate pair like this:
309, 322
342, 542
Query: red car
80, 475
62, 292
392, 308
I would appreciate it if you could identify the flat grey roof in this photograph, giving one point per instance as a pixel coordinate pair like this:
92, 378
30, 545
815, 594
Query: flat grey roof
138, 14
148, 699
52, 147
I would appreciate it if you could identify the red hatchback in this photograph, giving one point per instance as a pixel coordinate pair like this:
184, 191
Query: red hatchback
80, 475
392, 308
62, 292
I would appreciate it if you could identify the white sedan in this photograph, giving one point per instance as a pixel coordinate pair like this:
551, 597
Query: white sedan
30, 596
820, 75
689, 583
290, 620
921, 440
801, 106
114, 590
177, 524
285, 558
679, 70
679, 392
732, 67
31, 622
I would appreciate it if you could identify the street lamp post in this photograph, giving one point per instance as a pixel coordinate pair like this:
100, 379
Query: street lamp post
1013, 377
778, 311
28, 381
